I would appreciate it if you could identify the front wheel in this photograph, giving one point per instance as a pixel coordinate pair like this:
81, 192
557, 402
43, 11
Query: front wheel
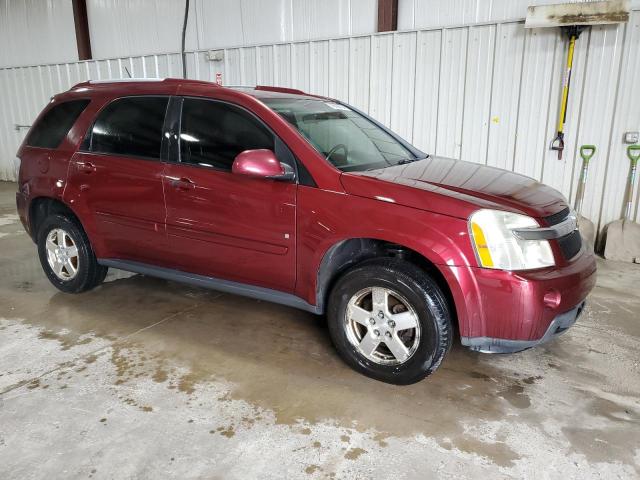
390, 321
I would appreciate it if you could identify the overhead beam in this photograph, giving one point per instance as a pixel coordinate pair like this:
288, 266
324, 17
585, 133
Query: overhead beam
82, 29
387, 15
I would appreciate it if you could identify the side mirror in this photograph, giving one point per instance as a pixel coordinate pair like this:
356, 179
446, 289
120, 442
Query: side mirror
261, 163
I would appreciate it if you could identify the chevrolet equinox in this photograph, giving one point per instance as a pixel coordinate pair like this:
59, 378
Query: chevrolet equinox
306, 201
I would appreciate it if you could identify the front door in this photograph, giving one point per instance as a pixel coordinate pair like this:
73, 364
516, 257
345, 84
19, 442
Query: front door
221, 224
118, 173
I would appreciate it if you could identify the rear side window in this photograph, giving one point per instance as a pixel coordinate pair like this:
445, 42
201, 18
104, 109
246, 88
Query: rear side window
130, 126
55, 124
213, 133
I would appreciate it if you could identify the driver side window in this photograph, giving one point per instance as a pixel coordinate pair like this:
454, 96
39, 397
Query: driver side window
213, 133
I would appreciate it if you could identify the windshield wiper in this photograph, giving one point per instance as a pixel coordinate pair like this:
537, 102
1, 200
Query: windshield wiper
404, 161
411, 160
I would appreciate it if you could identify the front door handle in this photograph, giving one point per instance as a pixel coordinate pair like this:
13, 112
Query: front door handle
182, 184
86, 167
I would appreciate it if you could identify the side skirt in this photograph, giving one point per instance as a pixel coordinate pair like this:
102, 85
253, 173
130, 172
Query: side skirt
213, 283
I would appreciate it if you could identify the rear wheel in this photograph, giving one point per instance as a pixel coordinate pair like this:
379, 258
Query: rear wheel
66, 255
389, 320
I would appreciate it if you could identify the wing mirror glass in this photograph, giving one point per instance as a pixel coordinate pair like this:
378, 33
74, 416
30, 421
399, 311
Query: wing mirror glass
261, 163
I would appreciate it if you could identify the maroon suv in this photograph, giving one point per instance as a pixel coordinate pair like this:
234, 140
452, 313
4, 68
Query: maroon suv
305, 201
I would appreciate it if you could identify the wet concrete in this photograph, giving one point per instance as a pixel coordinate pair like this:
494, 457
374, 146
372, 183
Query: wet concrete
148, 378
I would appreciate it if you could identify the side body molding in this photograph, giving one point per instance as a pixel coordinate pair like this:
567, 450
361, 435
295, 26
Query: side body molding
213, 283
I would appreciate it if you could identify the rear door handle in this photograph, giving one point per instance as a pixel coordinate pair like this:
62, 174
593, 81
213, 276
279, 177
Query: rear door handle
182, 184
86, 167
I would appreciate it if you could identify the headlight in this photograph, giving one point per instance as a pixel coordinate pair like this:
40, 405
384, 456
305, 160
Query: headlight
498, 247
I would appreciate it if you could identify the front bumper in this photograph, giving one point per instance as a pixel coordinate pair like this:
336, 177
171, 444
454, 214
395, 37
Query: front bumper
557, 327
508, 311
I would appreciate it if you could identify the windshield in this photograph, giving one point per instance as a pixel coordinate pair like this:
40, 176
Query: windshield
347, 139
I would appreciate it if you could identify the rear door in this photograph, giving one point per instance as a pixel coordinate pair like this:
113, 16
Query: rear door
223, 224
118, 172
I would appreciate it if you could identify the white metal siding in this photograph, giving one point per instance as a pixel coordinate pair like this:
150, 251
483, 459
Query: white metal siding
122, 27
453, 59
119, 28
478, 78
36, 31
505, 93
427, 90
42, 31
626, 117
487, 93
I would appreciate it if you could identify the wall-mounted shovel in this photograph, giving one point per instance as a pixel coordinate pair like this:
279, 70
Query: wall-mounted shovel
586, 226
633, 152
557, 143
573, 18
623, 236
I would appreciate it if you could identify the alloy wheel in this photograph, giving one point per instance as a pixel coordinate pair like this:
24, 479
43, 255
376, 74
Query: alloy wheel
382, 326
62, 254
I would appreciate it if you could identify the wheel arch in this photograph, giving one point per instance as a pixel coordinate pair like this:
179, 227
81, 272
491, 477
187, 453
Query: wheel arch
41, 207
348, 253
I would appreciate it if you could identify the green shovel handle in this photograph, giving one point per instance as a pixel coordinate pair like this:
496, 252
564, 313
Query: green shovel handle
587, 148
633, 152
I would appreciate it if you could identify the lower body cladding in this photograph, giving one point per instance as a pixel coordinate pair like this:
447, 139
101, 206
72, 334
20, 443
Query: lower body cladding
558, 326
504, 312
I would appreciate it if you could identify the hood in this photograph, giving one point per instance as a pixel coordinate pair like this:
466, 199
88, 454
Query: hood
455, 188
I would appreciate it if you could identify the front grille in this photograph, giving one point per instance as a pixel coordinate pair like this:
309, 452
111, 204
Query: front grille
570, 244
557, 217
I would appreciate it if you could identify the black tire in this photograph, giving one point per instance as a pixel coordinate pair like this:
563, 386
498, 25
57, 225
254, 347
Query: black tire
89, 273
424, 296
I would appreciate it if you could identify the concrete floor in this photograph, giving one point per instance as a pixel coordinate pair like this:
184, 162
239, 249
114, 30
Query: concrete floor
143, 378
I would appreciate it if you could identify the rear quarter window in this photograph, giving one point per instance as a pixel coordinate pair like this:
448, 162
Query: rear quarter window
55, 124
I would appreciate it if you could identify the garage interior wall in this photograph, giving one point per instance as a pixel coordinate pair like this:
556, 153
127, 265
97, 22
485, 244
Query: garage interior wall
42, 31
36, 31
479, 87
152, 26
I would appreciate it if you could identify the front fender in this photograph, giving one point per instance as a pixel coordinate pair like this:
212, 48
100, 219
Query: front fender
326, 219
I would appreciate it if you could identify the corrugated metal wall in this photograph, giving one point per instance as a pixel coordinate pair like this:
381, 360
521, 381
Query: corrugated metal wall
487, 93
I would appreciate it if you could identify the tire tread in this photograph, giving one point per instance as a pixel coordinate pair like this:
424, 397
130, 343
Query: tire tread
406, 273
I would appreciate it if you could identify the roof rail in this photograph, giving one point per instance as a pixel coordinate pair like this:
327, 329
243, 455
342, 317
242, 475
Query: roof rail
123, 80
170, 81
280, 89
